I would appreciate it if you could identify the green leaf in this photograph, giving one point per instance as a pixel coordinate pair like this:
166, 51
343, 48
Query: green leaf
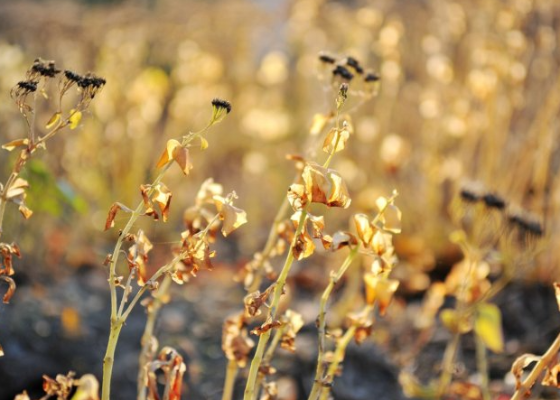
488, 327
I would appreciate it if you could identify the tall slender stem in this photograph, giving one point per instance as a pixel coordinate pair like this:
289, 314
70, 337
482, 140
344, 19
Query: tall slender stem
231, 374
322, 321
482, 366
278, 289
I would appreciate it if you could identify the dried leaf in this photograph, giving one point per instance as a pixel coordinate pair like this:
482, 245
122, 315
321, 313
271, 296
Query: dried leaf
167, 154
453, 323
391, 219
488, 326
520, 364
293, 322
15, 143
380, 289
115, 207
235, 341
231, 216
323, 185
88, 388
342, 239
364, 228
207, 191
162, 197
551, 376
11, 290
53, 120
336, 140
181, 156
303, 246
17, 188
319, 123
75, 118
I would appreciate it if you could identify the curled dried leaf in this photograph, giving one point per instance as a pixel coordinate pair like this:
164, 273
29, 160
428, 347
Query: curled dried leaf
293, 322
235, 341
551, 376
266, 326
336, 140
115, 207
380, 289
207, 191
231, 216
11, 288
520, 364
254, 301
557, 292
325, 186
174, 151
15, 143
7, 251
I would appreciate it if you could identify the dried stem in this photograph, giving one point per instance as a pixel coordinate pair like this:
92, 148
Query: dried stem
277, 293
231, 374
525, 388
268, 356
482, 367
335, 277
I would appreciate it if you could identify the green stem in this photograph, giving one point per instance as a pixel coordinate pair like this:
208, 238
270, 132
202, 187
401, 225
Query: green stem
447, 364
268, 357
322, 321
231, 374
278, 289
109, 360
482, 366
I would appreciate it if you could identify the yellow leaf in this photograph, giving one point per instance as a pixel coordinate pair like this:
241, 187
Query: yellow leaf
488, 327
15, 143
182, 158
380, 289
75, 118
453, 323
203, 143
53, 120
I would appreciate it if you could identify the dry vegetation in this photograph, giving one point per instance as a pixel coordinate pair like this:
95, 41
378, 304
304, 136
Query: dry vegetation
417, 141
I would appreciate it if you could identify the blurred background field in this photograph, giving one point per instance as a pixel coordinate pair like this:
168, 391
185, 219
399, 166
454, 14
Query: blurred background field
470, 92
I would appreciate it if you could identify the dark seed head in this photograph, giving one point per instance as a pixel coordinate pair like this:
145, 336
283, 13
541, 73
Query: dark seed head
343, 72
352, 62
223, 104
44, 68
469, 196
29, 86
72, 76
494, 201
326, 58
371, 77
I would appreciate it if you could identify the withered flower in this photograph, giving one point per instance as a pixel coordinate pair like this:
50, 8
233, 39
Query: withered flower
320, 185
195, 255
137, 256
293, 322
254, 301
235, 341
61, 386
7, 251
175, 151
161, 196
231, 216
20, 92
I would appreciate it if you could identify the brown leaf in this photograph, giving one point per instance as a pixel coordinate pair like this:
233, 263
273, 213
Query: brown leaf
15, 143
231, 216
557, 292
235, 341
162, 197
7, 251
266, 326
115, 207
11, 289
520, 364
167, 154
323, 185
380, 289
551, 376
336, 140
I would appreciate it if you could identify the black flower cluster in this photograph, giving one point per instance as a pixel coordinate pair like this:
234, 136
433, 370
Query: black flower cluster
222, 104
527, 226
43, 68
346, 68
